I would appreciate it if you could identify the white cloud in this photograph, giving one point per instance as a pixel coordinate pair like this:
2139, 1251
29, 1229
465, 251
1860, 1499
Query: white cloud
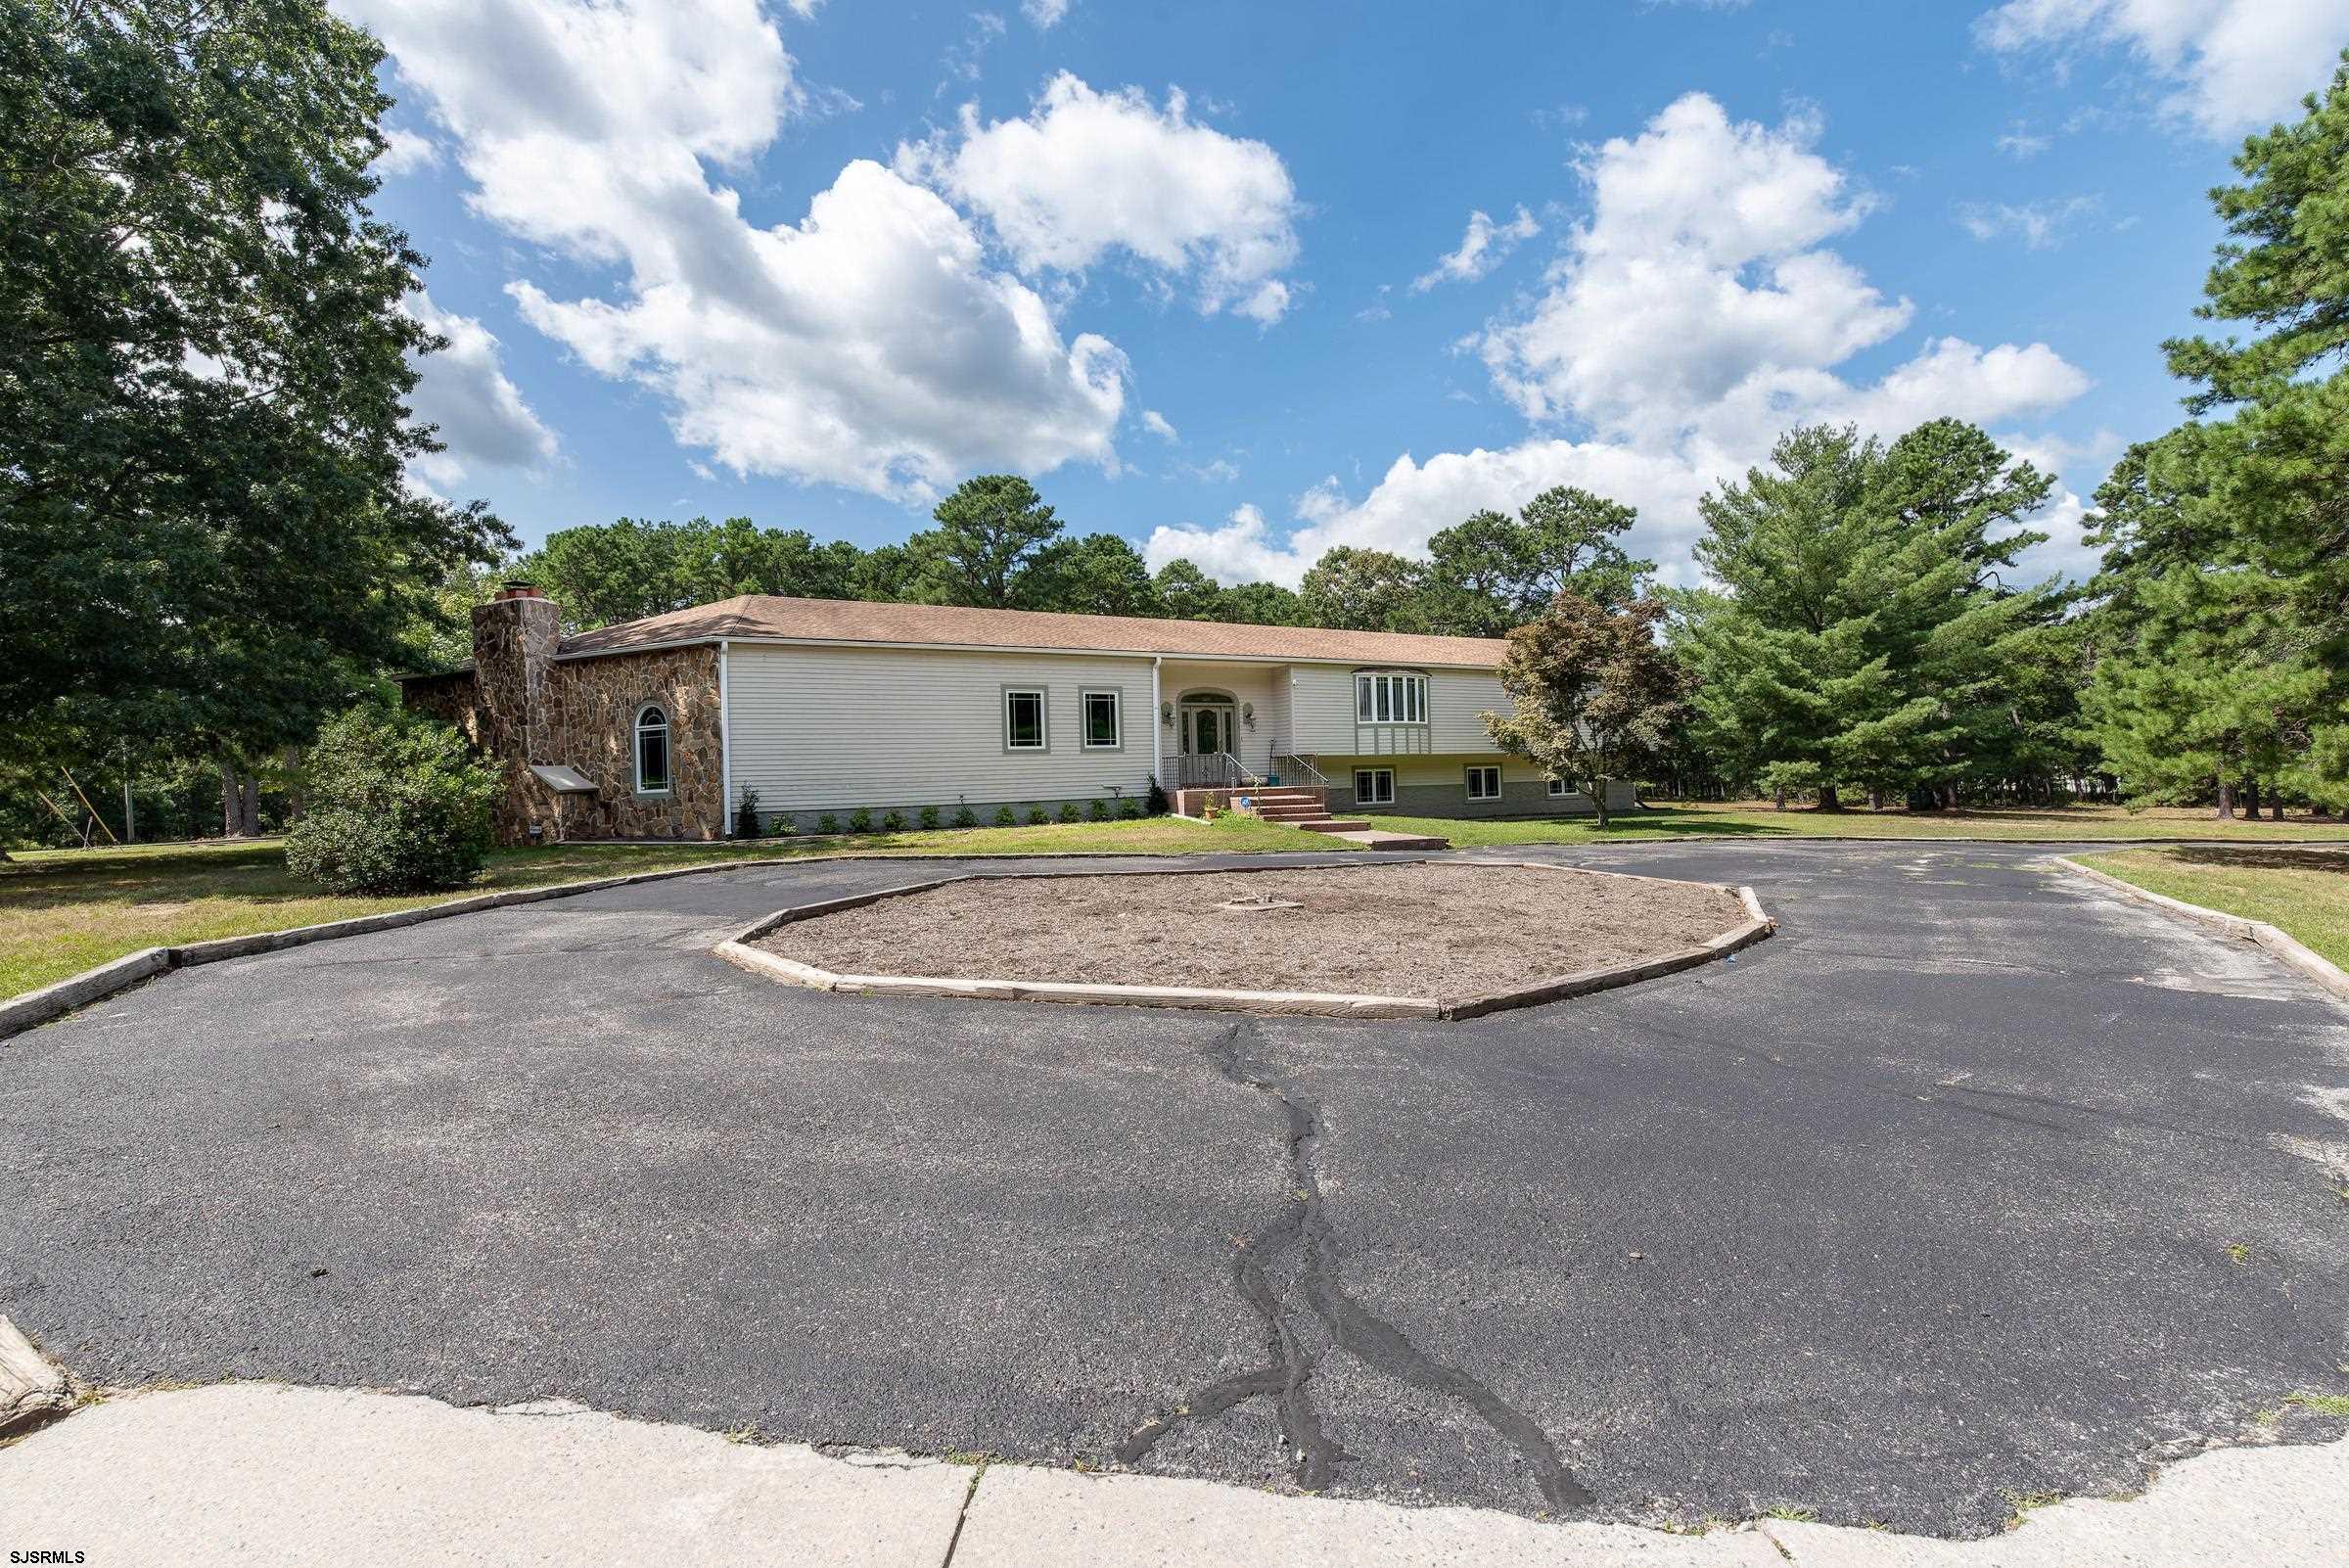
1043, 15
1215, 471
1695, 315
1414, 499
1700, 268
2228, 65
483, 420
2040, 225
1240, 551
962, 60
407, 150
2076, 466
1157, 425
2022, 143
870, 345
1482, 249
1089, 173
805, 10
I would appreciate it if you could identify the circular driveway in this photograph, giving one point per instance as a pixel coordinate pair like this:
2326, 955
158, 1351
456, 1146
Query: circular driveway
1975, 1184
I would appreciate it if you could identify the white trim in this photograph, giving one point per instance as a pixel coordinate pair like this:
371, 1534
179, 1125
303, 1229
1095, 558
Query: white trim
668, 749
725, 749
1469, 780
1559, 789
1404, 691
1373, 797
1043, 717
1268, 660
1085, 718
1158, 732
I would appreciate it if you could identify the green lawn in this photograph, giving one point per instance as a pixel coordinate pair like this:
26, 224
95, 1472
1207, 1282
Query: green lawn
64, 910
1750, 819
2305, 892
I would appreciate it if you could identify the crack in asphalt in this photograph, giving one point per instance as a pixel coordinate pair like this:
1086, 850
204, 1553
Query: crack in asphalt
1351, 1328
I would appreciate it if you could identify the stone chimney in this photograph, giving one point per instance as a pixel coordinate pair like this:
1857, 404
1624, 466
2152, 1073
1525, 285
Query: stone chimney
514, 636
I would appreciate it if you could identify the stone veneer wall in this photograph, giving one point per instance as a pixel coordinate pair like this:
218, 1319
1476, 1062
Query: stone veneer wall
581, 713
448, 698
591, 725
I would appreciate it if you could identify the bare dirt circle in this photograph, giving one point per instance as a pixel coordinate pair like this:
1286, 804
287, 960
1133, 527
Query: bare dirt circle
1409, 930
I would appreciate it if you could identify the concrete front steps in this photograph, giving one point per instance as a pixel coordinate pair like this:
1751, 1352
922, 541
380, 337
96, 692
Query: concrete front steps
1303, 806
1300, 806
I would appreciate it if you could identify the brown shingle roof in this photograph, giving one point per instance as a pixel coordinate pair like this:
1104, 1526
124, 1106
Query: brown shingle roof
759, 614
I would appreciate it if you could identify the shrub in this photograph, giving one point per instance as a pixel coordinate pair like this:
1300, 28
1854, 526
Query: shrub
1131, 810
965, 818
1159, 804
394, 803
1069, 811
1036, 817
1209, 810
783, 826
1096, 809
895, 822
930, 817
745, 816
827, 823
1004, 816
860, 820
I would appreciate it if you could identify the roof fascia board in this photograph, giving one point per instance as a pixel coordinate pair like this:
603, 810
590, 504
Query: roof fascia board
1017, 648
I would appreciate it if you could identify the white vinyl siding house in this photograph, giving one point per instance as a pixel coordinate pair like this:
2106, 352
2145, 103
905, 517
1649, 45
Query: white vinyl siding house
821, 708
833, 728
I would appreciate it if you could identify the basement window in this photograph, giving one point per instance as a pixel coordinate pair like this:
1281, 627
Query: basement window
652, 751
1375, 786
1484, 783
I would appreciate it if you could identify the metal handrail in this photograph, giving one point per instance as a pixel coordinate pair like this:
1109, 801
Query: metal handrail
1302, 765
1236, 775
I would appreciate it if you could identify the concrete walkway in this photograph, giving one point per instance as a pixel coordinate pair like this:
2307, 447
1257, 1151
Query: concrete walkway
255, 1474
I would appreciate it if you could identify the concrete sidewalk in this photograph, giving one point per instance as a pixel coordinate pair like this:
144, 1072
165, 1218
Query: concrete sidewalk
253, 1473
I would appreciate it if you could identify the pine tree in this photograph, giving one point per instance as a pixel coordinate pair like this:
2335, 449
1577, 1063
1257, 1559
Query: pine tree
1865, 632
2226, 581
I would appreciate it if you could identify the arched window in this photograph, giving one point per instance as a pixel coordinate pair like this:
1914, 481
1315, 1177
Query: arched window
652, 751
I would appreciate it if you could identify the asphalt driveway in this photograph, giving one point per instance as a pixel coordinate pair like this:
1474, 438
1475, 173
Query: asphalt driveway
1973, 1184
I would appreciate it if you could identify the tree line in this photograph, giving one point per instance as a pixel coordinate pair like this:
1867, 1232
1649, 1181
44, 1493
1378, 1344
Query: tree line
996, 545
208, 542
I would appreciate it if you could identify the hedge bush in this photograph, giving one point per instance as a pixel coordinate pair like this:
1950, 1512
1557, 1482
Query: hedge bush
393, 802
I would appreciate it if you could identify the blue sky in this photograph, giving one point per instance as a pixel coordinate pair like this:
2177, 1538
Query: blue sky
1215, 275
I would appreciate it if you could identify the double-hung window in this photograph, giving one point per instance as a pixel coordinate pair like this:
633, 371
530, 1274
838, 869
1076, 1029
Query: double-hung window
1375, 786
1102, 730
1390, 697
1559, 789
1024, 719
1484, 782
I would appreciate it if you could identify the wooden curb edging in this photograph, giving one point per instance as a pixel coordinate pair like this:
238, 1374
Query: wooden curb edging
2285, 947
36, 1008
737, 950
